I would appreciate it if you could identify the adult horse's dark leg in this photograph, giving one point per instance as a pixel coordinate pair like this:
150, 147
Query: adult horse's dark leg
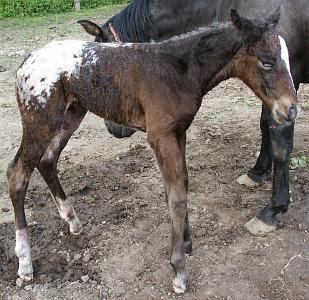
264, 162
262, 168
282, 145
279, 146
169, 155
281, 138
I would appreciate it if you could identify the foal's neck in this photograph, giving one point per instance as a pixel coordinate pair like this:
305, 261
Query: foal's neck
208, 54
215, 56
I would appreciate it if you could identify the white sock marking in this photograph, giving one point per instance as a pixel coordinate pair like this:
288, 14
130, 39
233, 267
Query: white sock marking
23, 253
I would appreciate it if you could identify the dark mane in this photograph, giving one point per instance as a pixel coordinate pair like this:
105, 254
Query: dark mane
202, 37
134, 23
205, 31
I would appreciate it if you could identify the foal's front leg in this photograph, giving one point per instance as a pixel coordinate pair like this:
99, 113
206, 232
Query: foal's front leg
187, 235
172, 164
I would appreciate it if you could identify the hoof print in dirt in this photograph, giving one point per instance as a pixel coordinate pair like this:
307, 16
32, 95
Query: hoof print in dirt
258, 227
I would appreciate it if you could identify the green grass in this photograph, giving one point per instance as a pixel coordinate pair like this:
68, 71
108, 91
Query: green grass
31, 8
216, 115
21, 23
299, 162
247, 101
28, 34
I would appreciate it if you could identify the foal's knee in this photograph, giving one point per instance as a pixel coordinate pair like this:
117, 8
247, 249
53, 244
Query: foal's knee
178, 206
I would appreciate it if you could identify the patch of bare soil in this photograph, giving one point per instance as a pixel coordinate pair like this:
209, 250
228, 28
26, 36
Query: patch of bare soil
123, 251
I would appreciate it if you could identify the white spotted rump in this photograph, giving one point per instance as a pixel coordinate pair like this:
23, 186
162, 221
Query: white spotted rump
42, 69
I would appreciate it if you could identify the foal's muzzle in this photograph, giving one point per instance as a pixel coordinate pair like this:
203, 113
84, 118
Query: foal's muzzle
293, 111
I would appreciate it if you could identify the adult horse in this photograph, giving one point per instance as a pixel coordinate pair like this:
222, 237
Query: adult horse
144, 20
58, 84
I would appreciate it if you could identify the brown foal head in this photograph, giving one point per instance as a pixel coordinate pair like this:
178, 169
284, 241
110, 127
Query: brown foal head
263, 64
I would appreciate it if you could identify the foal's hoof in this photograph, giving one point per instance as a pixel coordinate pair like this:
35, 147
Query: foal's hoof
179, 283
258, 227
25, 269
25, 276
75, 226
247, 181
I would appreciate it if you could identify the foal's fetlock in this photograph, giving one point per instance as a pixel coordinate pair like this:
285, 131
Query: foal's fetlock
67, 213
178, 262
188, 246
180, 282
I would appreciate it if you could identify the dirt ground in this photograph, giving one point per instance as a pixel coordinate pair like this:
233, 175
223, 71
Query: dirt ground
123, 251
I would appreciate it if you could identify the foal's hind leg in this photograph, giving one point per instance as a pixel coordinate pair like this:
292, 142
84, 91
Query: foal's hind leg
48, 164
18, 174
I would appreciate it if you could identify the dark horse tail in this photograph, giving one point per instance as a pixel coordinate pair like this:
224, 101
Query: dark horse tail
134, 22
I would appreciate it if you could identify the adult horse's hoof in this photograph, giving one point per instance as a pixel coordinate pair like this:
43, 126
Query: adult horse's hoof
247, 181
179, 283
258, 227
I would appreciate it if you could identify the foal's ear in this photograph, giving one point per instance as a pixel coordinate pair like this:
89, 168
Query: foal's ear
242, 24
274, 18
92, 29
245, 26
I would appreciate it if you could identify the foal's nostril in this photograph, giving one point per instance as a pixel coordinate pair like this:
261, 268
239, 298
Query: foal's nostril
292, 113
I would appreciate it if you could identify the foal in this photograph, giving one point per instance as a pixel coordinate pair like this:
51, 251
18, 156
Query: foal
156, 88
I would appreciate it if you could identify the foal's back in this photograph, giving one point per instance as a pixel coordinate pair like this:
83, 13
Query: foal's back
111, 80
